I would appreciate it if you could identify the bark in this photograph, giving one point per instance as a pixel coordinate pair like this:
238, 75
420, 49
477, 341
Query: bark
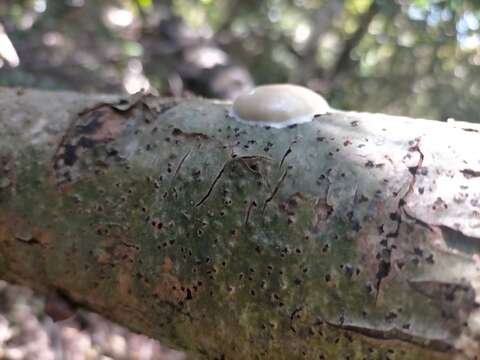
353, 236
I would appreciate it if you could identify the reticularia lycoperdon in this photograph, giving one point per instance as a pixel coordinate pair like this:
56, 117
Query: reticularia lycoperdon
279, 105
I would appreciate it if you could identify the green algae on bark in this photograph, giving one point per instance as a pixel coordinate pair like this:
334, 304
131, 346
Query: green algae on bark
351, 236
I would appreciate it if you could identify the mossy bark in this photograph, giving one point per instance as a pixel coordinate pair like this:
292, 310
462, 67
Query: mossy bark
353, 236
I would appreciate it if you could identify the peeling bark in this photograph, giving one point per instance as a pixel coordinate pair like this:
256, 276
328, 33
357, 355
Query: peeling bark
353, 236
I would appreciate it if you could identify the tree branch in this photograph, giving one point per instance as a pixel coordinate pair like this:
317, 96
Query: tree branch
369, 242
343, 59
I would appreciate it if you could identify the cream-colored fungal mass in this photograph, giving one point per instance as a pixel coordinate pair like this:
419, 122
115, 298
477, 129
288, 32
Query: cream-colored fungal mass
279, 105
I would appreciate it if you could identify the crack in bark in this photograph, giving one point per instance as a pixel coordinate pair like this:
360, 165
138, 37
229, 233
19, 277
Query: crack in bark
246, 159
181, 163
186, 135
417, 221
394, 334
469, 173
205, 197
245, 163
295, 312
177, 169
249, 210
275, 190
289, 150
293, 317
469, 130
384, 264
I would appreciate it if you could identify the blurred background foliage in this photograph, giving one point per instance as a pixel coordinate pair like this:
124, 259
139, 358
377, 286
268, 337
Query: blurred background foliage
418, 58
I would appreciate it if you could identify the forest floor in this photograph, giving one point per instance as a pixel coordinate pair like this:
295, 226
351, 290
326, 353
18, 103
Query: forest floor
27, 333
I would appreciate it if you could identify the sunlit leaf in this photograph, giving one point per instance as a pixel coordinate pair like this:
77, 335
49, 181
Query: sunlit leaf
132, 48
357, 6
145, 4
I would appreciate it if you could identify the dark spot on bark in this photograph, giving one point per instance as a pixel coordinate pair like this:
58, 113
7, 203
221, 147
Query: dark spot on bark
391, 316
348, 270
194, 135
469, 173
429, 259
91, 126
86, 142
382, 272
75, 156
417, 251
413, 169
70, 155
394, 216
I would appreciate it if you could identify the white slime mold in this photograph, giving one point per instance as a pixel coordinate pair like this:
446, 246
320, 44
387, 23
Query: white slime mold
279, 106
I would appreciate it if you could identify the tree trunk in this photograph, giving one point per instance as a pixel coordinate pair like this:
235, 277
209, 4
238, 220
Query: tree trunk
352, 236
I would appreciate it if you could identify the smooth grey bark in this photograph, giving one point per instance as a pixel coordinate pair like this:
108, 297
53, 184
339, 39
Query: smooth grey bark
353, 236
